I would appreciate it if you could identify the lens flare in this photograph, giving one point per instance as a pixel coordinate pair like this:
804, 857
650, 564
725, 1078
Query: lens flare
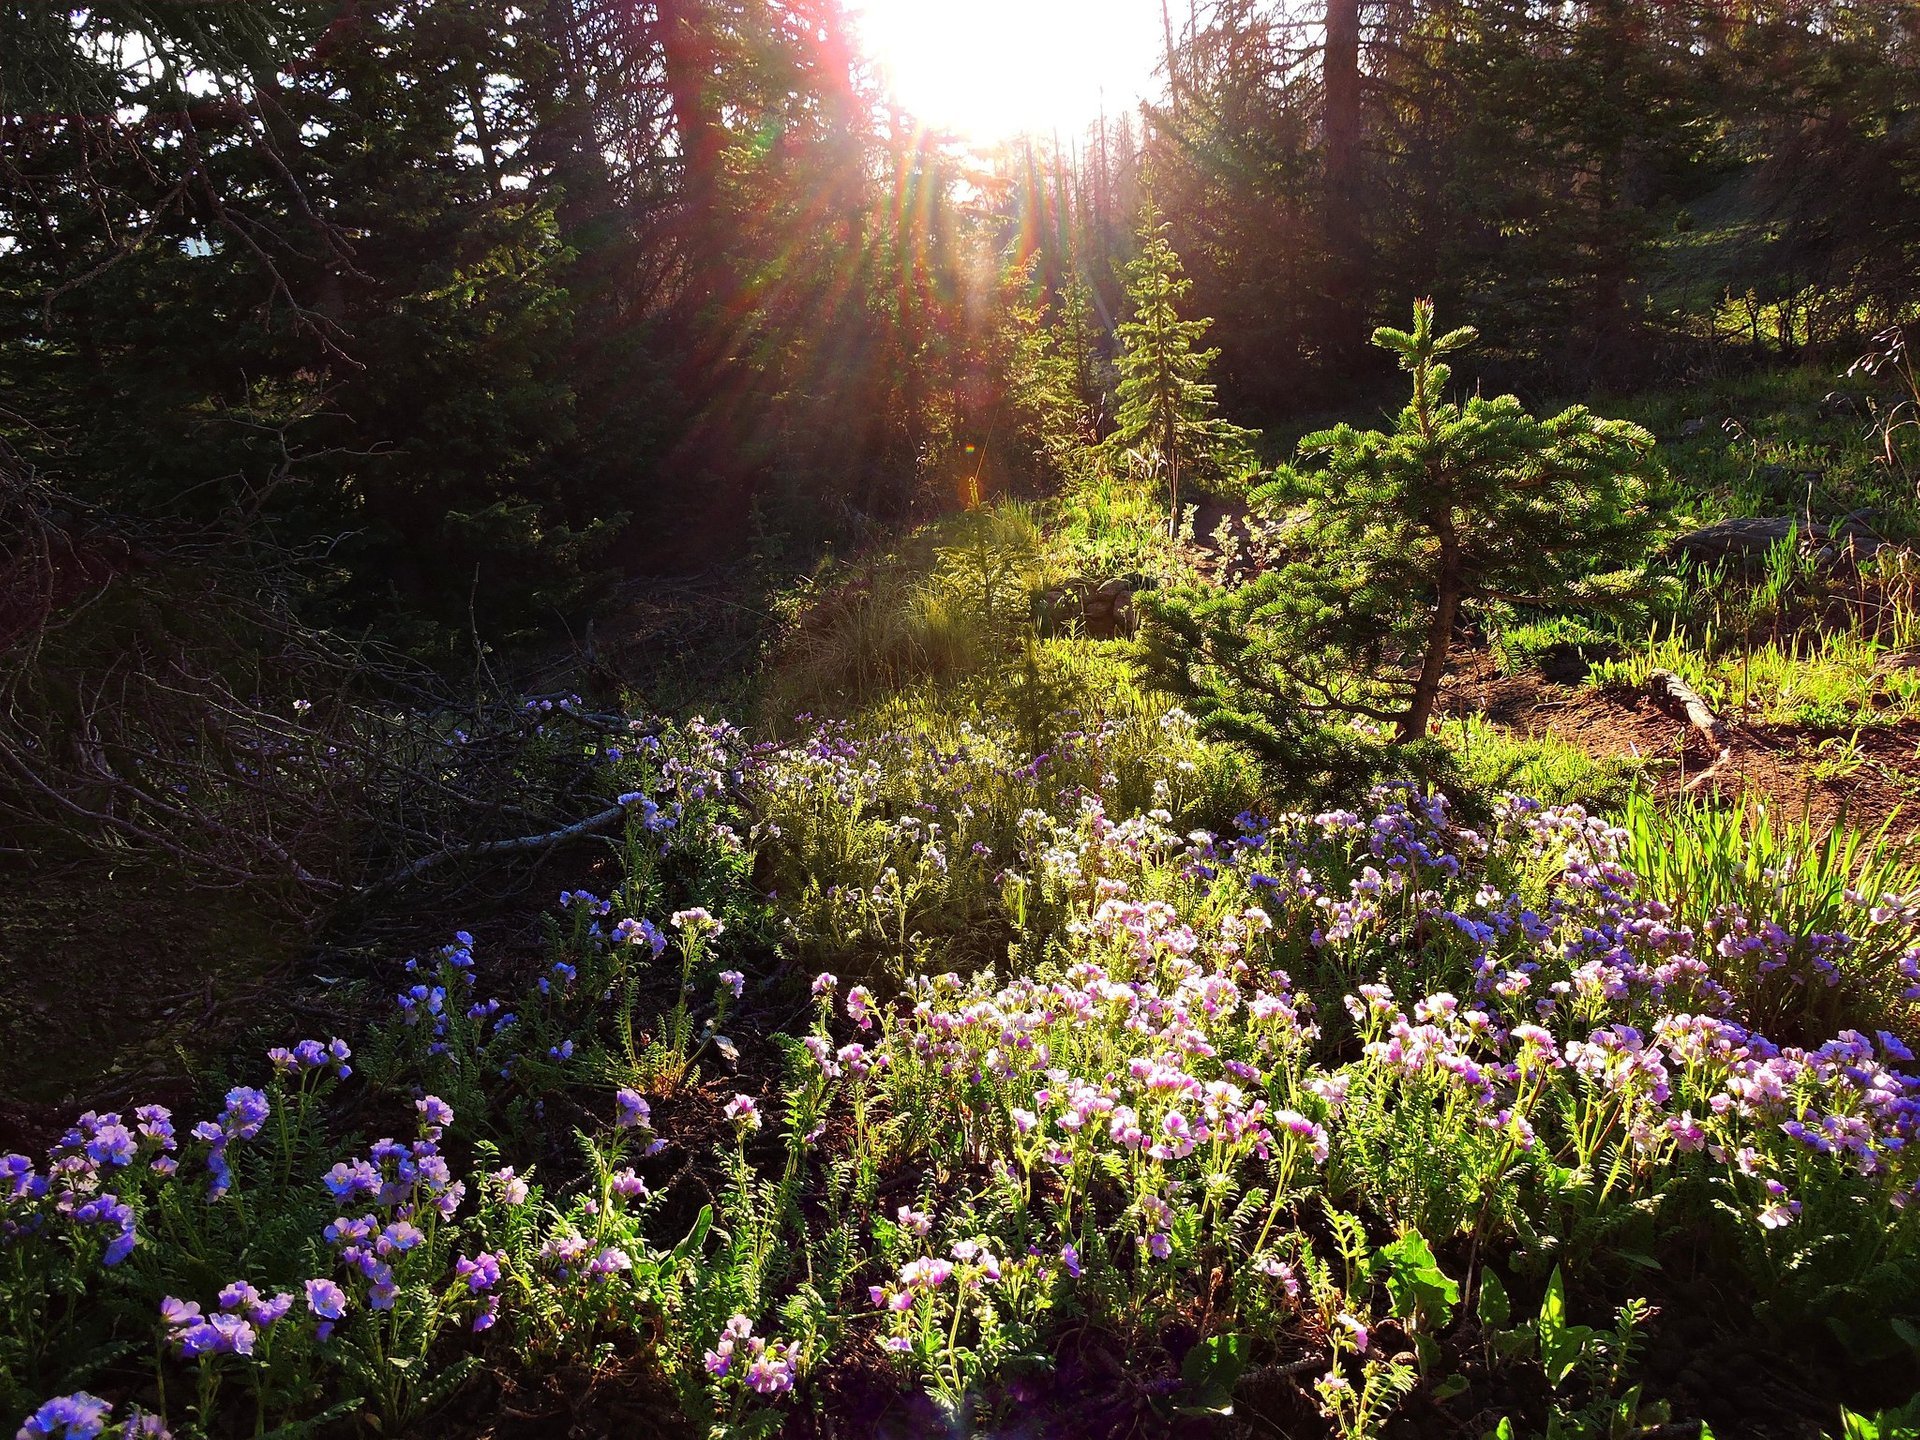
993, 69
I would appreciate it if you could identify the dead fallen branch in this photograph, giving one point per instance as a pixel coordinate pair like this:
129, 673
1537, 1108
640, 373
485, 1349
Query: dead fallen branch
606, 820
1671, 690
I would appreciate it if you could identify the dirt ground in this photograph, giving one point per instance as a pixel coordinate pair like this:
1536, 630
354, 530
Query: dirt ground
1790, 769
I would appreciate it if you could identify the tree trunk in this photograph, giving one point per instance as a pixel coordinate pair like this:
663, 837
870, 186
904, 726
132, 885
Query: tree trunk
1173, 472
1426, 690
690, 56
1340, 135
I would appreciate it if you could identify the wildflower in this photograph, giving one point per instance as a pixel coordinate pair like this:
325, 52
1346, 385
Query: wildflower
481, 1273
824, 984
696, 923
915, 1222
860, 1006
770, 1374
926, 1273
634, 1112
434, 1113
627, 1185
610, 1261
744, 1112
327, 1303
1781, 1210
1159, 1245
78, 1416
1277, 1269
640, 932
1361, 1336
398, 1238
513, 1190
246, 1111
734, 982
1070, 1258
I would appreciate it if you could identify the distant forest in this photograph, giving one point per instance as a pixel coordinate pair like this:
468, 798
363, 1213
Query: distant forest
447, 311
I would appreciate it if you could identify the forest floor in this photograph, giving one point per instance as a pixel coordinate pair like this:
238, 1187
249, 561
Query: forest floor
1794, 770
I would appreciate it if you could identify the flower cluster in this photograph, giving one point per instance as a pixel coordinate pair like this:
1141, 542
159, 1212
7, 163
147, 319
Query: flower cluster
765, 1367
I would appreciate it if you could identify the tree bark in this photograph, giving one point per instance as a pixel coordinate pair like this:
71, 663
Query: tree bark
1340, 136
1433, 665
691, 58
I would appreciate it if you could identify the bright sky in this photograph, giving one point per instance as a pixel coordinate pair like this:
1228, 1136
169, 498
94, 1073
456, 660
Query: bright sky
990, 69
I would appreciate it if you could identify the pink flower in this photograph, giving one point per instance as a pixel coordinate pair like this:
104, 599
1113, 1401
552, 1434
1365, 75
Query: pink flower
744, 1112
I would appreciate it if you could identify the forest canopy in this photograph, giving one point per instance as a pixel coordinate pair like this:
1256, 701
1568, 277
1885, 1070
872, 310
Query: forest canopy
453, 307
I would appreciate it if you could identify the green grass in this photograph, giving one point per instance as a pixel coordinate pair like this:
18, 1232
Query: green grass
1822, 682
1710, 861
1494, 760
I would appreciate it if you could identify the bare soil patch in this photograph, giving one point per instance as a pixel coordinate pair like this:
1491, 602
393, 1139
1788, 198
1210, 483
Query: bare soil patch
1868, 782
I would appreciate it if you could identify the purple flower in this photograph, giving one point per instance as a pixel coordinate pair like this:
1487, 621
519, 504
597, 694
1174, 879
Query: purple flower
326, 1301
1070, 1257
434, 1113
398, 1238
486, 1316
734, 982
634, 1112
770, 1374
696, 922
609, 1262
1361, 1336
247, 1110
78, 1416
482, 1272
348, 1179
513, 1190
744, 1112
926, 1273
111, 1144
640, 932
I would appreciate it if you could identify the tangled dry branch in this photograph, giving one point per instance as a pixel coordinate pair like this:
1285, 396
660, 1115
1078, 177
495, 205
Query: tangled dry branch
152, 699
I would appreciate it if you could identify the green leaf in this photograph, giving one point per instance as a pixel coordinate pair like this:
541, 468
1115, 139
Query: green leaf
1451, 1386
1415, 1280
1491, 1304
1561, 1344
1210, 1371
696, 1237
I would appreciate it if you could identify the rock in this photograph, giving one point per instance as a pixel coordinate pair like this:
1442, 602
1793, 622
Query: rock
1749, 540
1694, 428
1100, 610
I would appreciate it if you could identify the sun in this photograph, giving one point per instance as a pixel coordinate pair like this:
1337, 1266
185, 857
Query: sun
994, 69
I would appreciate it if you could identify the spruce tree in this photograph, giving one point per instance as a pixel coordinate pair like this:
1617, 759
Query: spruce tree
1166, 399
1391, 534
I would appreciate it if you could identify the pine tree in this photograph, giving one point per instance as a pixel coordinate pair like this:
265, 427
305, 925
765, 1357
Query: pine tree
1393, 533
1167, 406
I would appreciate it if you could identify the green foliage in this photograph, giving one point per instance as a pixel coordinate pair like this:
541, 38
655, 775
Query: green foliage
1165, 423
1560, 645
1387, 536
1722, 868
1901, 1423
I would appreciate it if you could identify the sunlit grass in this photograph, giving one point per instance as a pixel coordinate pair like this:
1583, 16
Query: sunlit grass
1832, 681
